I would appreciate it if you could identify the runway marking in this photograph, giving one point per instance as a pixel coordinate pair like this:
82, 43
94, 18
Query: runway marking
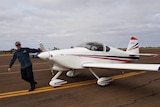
8, 73
19, 64
6, 54
70, 85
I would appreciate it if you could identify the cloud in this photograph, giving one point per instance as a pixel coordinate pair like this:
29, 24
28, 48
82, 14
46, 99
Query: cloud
70, 22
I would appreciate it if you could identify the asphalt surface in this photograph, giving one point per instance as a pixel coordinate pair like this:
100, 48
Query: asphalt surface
129, 89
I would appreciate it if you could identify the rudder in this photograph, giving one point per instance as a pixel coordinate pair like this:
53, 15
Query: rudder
133, 46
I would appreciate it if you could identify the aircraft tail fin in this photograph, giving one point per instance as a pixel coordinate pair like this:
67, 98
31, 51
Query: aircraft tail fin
41, 46
133, 47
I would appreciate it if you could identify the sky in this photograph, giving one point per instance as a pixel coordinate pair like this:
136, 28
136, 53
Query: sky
66, 23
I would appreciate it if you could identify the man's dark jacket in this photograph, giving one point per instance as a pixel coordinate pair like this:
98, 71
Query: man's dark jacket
23, 57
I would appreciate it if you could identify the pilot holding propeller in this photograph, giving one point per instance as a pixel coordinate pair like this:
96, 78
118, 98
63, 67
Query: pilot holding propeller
26, 65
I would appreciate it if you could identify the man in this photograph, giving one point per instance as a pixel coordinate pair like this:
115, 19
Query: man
26, 65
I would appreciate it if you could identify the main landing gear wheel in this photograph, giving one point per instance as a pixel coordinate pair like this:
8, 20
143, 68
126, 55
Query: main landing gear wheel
103, 81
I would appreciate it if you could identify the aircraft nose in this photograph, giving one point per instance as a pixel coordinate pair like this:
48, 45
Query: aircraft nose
44, 55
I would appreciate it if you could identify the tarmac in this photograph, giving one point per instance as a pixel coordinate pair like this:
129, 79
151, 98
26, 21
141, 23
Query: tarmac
130, 88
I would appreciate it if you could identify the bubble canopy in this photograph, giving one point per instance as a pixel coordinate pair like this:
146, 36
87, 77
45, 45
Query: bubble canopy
94, 46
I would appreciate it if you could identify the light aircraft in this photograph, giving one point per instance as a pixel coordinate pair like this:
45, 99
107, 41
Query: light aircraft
94, 55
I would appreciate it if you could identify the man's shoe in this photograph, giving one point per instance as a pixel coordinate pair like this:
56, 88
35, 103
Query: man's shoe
35, 82
32, 86
32, 89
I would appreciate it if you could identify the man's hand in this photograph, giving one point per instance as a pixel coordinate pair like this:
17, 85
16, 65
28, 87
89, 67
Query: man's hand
9, 70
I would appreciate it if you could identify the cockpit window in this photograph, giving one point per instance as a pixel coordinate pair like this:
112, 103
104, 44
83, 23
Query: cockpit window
94, 46
107, 49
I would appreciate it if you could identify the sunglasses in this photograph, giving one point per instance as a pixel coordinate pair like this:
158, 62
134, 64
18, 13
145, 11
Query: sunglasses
18, 45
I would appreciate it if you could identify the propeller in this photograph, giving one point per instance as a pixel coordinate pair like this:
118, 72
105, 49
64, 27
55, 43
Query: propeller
46, 56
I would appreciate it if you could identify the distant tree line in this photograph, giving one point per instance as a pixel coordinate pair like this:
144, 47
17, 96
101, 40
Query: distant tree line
7, 51
11, 51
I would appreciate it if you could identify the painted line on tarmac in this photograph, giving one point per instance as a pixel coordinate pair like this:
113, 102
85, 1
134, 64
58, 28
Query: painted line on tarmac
19, 64
6, 55
66, 86
8, 73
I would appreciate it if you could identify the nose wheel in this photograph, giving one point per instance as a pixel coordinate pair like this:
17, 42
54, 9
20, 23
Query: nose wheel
57, 82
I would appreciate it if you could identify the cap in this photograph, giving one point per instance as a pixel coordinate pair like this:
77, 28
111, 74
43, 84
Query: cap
17, 43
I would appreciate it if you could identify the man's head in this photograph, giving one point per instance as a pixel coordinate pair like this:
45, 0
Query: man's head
18, 45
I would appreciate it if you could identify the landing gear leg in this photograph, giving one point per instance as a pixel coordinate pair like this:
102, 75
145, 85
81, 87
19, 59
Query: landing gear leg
103, 81
52, 71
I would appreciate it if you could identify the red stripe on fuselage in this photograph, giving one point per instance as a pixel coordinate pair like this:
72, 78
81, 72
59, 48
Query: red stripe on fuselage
126, 61
115, 59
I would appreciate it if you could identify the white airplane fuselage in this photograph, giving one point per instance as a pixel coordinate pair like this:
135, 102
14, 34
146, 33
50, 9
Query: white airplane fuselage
93, 55
74, 58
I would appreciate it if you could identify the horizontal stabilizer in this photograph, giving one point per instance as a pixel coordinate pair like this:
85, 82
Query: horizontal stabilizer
145, 54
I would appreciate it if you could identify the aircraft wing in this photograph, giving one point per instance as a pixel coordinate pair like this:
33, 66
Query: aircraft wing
148, 67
